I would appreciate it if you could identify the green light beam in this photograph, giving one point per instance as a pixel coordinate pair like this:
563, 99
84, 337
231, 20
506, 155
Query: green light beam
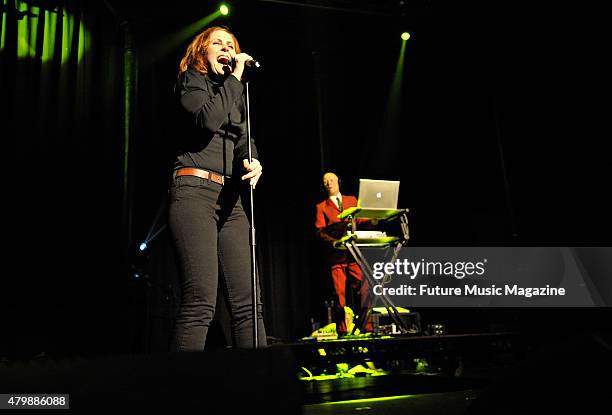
159, 49
3, 31
370, 400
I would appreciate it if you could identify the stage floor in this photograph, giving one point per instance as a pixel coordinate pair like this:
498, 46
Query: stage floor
448, 403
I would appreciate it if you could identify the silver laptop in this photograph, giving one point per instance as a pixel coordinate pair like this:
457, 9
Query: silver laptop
377, 200
378, 194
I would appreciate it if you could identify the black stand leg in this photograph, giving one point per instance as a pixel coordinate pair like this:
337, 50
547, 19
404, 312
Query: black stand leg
368, 274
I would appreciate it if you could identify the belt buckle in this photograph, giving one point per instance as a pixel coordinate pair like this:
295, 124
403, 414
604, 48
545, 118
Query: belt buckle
216, 177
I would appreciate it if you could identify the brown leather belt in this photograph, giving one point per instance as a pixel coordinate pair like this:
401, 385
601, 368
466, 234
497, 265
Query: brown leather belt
204, 174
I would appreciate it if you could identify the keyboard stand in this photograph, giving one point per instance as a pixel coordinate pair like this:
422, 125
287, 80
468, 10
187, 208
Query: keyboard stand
352, 244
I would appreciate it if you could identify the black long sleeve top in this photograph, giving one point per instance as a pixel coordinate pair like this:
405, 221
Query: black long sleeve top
214, 110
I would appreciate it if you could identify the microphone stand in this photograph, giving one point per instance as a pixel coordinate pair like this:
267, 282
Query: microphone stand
252, 229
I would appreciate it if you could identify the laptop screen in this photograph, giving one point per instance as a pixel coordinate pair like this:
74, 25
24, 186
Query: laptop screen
378, 194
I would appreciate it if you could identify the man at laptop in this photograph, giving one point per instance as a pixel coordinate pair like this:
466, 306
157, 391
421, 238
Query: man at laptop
343, 267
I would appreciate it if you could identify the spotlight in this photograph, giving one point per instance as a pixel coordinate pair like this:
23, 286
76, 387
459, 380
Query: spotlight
143, 246
224, 9
405, 35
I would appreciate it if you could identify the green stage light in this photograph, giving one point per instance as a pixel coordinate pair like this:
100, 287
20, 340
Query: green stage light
405, 35
224, 9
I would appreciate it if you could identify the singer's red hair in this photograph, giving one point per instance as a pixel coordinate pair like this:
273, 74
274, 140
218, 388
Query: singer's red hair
195, 57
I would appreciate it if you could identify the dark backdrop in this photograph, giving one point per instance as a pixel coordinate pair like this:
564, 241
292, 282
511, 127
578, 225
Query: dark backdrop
499, 141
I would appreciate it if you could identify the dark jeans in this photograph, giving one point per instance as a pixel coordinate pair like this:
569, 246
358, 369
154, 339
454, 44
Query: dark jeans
210, 233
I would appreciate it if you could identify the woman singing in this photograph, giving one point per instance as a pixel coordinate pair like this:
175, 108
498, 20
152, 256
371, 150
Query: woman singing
207, 221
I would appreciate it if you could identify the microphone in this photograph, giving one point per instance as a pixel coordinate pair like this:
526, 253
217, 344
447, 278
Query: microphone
251, 63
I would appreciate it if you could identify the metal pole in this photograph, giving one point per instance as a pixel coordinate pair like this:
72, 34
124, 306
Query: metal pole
254, 297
